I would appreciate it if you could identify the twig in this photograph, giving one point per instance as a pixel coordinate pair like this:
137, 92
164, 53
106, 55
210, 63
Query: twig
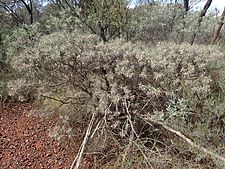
128, 147
56, 99
143, 154
80, 153
133, 132
96, 128
127, 106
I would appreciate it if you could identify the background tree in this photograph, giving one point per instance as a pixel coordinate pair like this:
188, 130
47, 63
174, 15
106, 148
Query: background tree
107, 18
200, 19
186, 5
22, 11
218, 27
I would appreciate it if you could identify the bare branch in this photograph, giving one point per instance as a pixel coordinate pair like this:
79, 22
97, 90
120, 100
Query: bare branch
80, 153
189, 141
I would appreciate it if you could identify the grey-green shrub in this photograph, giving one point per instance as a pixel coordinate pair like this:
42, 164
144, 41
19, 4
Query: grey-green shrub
100, 74
79, 71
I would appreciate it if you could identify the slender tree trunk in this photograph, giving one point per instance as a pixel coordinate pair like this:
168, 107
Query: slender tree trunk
219, 27
186, 6
31, 12
14, 15
200, 19
29, 9
186, 9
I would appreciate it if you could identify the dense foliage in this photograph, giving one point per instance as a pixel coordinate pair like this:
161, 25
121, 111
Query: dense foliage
133, 71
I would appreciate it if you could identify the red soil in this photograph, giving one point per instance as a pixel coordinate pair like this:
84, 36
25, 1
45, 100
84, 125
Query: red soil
25, 143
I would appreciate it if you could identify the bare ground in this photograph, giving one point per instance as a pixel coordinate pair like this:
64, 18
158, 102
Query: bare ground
25, 141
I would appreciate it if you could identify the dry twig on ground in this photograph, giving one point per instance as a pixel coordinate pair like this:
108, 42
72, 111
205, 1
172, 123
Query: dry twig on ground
80, 153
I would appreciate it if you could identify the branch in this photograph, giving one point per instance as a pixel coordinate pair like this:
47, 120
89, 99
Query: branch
189, 141
56, 99
78, 158
186, 6
12, 13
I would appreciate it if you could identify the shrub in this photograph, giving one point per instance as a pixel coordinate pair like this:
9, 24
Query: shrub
125, 83
101, 74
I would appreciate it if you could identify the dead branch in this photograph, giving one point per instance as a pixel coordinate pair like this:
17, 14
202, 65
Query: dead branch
80, 153
56, 99
189, 141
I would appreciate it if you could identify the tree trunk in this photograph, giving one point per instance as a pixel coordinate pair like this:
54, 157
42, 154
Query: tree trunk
29, 9
219, 27
186, 6
200, 19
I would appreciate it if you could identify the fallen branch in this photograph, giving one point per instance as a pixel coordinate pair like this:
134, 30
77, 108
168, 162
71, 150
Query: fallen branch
80, 153
186, 139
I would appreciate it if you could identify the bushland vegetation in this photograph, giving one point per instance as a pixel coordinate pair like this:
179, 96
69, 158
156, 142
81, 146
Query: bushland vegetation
145, 83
